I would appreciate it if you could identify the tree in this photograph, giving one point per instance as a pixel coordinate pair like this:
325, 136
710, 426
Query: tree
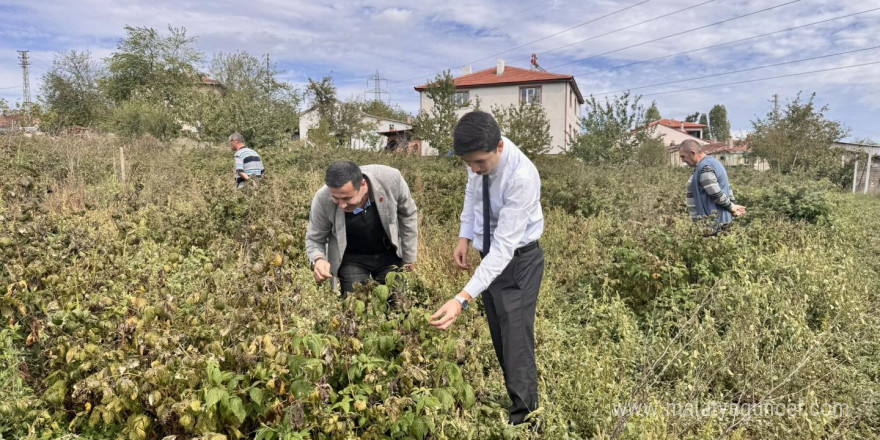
342, 121
437, 124
137, 117
652, 153
526, 125
151, 66
799, 139
612, 133
323, 96
704, 121
694, 117
70, 91
720, 125
653, 113
384, 110
252, 101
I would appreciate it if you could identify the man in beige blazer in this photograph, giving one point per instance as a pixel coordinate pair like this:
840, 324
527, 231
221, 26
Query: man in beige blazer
362, 225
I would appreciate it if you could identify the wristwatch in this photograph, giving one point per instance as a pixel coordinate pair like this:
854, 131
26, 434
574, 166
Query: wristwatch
462, 301
316, 260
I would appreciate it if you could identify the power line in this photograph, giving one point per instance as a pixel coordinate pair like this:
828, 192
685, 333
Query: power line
726, 43
740, 70
624, 28
676, 34
548, 36
762, 79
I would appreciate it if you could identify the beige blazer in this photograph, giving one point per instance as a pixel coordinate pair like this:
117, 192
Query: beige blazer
397, 211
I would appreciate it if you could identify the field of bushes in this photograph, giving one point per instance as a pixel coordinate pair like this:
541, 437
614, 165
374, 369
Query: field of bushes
169, 305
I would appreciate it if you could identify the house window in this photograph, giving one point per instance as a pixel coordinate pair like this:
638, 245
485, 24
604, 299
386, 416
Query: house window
460, 98
530, 95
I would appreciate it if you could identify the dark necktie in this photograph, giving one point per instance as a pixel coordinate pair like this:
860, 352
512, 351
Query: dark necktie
486, 214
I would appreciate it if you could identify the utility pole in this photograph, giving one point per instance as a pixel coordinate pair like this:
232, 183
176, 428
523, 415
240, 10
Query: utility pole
776, 105
377, 86
25, 83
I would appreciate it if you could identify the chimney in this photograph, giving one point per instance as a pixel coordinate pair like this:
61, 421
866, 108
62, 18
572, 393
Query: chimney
466, 70
408, 119
499, 70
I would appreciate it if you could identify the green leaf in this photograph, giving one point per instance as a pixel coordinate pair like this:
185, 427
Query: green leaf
445, 398
214, 372
213, 396
469, 399
419, 428
237, 408
256, 396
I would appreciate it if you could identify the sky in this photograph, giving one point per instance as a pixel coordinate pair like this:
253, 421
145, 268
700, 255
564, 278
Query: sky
686, 55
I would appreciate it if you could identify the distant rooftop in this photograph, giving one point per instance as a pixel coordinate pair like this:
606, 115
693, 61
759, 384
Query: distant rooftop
510, 76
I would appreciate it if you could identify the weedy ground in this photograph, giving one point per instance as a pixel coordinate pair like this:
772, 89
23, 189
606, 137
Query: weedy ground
168, 305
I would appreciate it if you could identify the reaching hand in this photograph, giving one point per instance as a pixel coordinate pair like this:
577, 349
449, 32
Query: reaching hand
446, 315
738, 210
322, 271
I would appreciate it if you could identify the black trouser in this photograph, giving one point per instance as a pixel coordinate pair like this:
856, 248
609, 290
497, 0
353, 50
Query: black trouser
360, 268
510, 309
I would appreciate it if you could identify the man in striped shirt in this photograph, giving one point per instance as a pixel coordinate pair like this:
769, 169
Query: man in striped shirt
247, 162
708, 190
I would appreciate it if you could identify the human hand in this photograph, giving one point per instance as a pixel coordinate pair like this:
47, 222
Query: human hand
322, 271
446, 315
409, 267
738, 210
461, 252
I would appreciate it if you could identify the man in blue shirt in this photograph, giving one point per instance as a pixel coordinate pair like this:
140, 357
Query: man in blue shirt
502, 217
708, 189
248, 164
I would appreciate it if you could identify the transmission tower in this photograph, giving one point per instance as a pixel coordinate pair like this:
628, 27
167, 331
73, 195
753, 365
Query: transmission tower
25, 83
377, 86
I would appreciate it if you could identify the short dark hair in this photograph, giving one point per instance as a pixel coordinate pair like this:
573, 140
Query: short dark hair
341, 172
476, 131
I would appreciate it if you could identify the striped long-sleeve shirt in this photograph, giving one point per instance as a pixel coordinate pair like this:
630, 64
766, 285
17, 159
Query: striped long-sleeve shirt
709, 183
247, 161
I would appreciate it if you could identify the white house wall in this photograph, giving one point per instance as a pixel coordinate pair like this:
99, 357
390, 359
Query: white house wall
562, 113
671, 136
307, 121
310, 120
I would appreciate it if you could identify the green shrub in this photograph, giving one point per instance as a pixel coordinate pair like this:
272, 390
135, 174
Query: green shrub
172, 304
133, 119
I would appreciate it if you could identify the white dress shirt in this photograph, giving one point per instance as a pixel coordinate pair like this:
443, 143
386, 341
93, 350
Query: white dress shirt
516, 218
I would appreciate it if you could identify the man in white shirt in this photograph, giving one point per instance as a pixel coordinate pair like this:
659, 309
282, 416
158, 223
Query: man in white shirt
502, 217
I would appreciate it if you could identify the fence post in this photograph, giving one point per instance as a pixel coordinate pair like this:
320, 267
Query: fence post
122, 163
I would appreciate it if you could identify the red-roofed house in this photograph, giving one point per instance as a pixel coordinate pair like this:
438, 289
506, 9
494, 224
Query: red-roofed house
674, 132
505, 85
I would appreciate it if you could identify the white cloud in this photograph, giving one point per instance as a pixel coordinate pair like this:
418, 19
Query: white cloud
395, 15
409, 43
